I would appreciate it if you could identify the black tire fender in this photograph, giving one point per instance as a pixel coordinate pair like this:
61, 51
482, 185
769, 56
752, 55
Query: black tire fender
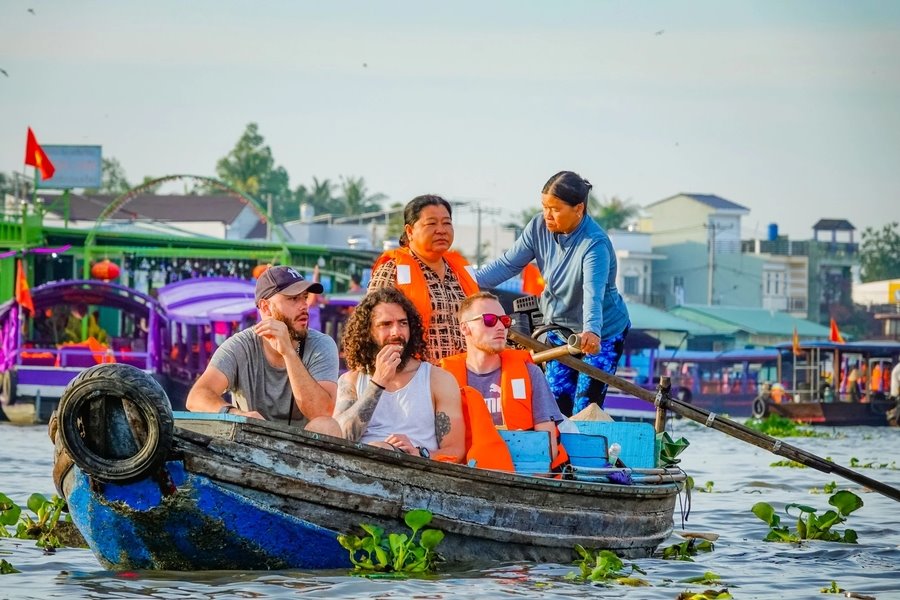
115, 421
759, 408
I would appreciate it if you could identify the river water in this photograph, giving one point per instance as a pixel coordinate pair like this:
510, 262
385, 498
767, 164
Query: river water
741, 475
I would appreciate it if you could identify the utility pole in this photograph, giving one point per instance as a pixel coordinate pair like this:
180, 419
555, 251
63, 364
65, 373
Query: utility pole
268, 217
479, 211
478, 236
712, 263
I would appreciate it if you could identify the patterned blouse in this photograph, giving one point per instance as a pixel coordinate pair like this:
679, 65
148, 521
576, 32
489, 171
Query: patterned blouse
443, 337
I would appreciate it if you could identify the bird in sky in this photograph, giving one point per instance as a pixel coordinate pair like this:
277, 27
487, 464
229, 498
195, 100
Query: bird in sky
660, 32
4, 73
31, 10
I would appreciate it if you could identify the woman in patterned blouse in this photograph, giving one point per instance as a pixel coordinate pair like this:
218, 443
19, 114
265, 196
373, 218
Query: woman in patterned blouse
429, 274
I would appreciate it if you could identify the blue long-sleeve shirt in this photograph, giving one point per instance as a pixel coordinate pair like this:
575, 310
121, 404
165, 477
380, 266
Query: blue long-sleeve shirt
579, 270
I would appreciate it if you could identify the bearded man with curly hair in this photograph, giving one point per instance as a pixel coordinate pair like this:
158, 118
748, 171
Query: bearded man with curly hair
391, 398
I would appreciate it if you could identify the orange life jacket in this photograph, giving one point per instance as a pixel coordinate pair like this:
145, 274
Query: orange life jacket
417, 289
483, 442
517, 412
876, 377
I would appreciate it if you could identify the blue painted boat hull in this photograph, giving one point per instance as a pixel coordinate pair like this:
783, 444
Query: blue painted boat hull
199, 526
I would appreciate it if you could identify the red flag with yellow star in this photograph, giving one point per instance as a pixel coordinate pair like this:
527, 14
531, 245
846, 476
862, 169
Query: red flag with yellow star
37, 158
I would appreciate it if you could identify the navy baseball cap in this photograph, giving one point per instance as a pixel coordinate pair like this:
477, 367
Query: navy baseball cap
284, 280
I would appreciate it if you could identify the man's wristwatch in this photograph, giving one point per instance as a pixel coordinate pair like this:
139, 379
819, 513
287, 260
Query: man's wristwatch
225, 409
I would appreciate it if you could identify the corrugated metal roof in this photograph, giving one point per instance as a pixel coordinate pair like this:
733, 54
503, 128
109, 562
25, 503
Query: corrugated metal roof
759, 321
652, 319
833, 225
222, 208
710, 200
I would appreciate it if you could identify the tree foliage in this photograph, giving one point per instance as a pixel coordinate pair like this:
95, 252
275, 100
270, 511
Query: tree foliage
320, 196
7, 185
612, 213
395, 222
522, 218
113, 180
879, 253
250, 168
356, 199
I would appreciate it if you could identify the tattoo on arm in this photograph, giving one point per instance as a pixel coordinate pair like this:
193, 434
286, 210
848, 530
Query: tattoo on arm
346, 396
441, 426
357, 412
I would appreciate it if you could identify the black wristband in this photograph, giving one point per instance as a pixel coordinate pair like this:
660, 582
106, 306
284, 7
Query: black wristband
376, 384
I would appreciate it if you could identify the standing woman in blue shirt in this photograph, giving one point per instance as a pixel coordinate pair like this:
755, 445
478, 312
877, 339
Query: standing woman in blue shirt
578, 263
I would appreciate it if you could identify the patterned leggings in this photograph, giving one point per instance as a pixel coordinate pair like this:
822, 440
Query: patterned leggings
574, 390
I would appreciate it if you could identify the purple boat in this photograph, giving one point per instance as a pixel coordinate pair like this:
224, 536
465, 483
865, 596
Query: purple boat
77, 324
201, 314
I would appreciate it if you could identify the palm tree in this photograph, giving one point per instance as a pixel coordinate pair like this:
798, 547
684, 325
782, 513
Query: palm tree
613, 213
320, 197
356, 198
521, 219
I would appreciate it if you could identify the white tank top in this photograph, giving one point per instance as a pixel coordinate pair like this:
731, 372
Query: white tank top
409, 411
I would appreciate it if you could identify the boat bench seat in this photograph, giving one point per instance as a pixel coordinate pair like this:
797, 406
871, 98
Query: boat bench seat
638, 440
530, 450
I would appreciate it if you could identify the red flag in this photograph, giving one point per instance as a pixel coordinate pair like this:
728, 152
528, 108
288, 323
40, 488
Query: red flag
796, 343
37, 158
23, 293
835, 335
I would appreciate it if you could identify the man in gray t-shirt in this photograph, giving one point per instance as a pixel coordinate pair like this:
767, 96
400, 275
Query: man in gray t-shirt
278, 368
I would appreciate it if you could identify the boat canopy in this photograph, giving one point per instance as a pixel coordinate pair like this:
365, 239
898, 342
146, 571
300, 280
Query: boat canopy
94, 292
870, 347
207, 300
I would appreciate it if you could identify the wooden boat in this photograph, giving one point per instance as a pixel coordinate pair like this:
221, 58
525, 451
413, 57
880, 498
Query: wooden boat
815, 381
39, 355
149, 490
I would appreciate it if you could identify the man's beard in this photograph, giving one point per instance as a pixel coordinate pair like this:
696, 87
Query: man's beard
487, 348
405, 355
297, 334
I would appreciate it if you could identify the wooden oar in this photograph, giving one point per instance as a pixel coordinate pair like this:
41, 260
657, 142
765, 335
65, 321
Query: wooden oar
712, 420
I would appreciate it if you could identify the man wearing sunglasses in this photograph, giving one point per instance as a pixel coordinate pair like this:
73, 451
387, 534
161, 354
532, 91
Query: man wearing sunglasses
513, 388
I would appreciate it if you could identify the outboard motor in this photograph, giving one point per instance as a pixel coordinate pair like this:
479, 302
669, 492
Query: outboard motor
527, 314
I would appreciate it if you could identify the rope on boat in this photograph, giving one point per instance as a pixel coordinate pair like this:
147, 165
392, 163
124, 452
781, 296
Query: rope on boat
684, 507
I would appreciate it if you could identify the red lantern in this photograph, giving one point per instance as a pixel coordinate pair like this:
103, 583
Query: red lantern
105, 270
259, 270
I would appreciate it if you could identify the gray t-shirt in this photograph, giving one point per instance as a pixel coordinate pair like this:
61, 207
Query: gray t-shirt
256, 385
543, 404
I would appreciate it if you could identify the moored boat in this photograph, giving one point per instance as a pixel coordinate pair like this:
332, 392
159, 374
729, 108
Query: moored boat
201, 313
149, 490
41, 354
821, 388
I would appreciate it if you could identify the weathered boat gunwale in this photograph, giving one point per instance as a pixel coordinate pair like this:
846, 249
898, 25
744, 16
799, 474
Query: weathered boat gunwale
246, 431
487, 509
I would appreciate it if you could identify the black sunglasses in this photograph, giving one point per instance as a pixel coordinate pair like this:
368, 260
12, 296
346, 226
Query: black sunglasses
491, 319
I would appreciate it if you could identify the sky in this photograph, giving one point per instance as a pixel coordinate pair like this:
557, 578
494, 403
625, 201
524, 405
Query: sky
791, 109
